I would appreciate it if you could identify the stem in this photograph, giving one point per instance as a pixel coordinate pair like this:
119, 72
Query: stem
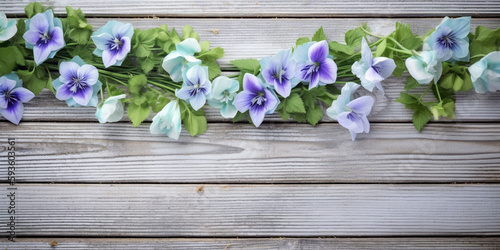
369, 33
422, 96
234, 76
401, 51
476, 56
439, 95
398, 44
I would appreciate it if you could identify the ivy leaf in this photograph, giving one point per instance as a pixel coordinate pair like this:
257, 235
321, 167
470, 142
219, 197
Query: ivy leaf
215, 53
194, 121
34, 81
78, 29
338, 47
314, 115
158, 104
247, 65
33, 8
294, 104
240, 116
137, 84
411, 83
7, 63
421, 117
187, 32
84, 52
147, 64
381, 48
144, 41
353, 37
400, 66
138, 113
405, 36
319, 35
213, 69
301, 41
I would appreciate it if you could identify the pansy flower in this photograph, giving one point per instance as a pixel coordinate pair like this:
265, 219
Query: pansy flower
111, 110
425, 67
195, 86
181, 58
485, 73
78, 84
167, 121
371, 71
279, 71
313, 64
222, 95
255, 98
44, 35
352, 114
112, 42
450, 39
8, 28
12, 97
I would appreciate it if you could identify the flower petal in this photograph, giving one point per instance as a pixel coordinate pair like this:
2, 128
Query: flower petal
318, 52
101, 41
362, 105
57, 39
83, 96
125, 48
373, 76
183, 93
108, 58
300, 54
417, 70
243, 100
228, 111
14, 112
39, 23
68, 71
460, 26
88, 73
188, 46
64, 93
461, 50
327, 71
257, 113
384, 66
197, 101
252, 83
41, 53
284, 88
366, 52
351, 121
314, 80
31, 36
23, 95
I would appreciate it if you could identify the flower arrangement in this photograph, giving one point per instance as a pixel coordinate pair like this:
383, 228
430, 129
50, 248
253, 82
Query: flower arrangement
174, 75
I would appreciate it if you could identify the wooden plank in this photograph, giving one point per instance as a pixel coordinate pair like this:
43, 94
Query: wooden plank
258, 210
268, 8
256, 243
273, 153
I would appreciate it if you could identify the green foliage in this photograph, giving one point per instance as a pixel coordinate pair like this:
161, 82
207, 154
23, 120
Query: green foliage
353, 37
137, 113
302, 40
251, 66
483, 42
187, 32
194, 121
77, 28
319, 35
405, 37
209, 57
11, 56
34, 8
340, 50
421, 113
381, 48
411, 83
455, 77
34, 80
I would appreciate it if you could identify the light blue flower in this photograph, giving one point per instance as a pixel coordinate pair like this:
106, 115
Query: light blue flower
181, 58
450, 39
111, 110
12, 97
279, 71
44, 34
222, 95
195, 86
113, 42
8, 28
425, 67
314, 64
371, 71
256, 98
485, 73
78, 84
352, 114
167, 121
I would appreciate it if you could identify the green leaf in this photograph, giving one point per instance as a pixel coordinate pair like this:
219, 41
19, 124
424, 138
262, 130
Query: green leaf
301, 41
381, 48
147, 64
410, 101
187, 32
34, 81
138, 113
319, 35
240, 116
444, 109
400, 66
137, 83
78, 29
353, 37
33, 8
447, 81
248, 65
467, 82
194, 121
213, 69
84, 52
335, 46
405, 37
158, 104
314, 115
205, 47
8, 59
421, 117
411, 83
294, 104
215, 53
144, 41
176, 39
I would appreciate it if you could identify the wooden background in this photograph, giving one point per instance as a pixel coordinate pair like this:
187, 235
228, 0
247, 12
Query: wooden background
280, 186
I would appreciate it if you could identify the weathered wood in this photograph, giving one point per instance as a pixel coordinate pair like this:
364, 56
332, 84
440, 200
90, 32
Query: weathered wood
258, 210
272, 153
255, 243
268, 8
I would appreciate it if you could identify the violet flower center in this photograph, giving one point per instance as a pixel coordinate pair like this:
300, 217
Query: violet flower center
279, 74
447, 41
259, 99
115, 44
11, 98
76, 84
44, 38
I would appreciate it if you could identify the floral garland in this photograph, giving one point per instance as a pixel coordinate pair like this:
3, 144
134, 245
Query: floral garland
158, 70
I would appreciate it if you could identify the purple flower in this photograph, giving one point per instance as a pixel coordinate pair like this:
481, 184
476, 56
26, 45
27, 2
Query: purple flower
315, 66
371, 71
44, 35
195, 87
255, 98
279, 71
12, 96
450, 39
78, 84
113, 42
352, 114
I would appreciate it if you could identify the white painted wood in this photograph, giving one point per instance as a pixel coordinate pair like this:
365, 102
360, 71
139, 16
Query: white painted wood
268, 8
272, 153
254, 210
255, 243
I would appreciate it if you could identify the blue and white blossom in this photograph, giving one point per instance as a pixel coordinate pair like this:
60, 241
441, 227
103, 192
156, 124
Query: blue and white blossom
425, 67
279, 72
12, 97
181, 58
450, 40
485, 73
111, 110
8, 28
167, 121
113, 42
314, 65
222, 95
195, 87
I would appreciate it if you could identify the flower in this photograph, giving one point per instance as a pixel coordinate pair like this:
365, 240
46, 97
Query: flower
485, 73
44, 35
450, 39
195, 86
352, 114
178, 60
78, 84
168, 121
12, 97
314, 66
222, 95
111, 110
371, 71
254, 97
279, 71
112, 42
8, 28
425, 67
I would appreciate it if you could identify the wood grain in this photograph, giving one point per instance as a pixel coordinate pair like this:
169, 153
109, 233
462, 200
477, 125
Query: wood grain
470, 243
268, 8
272, 153
254, 210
